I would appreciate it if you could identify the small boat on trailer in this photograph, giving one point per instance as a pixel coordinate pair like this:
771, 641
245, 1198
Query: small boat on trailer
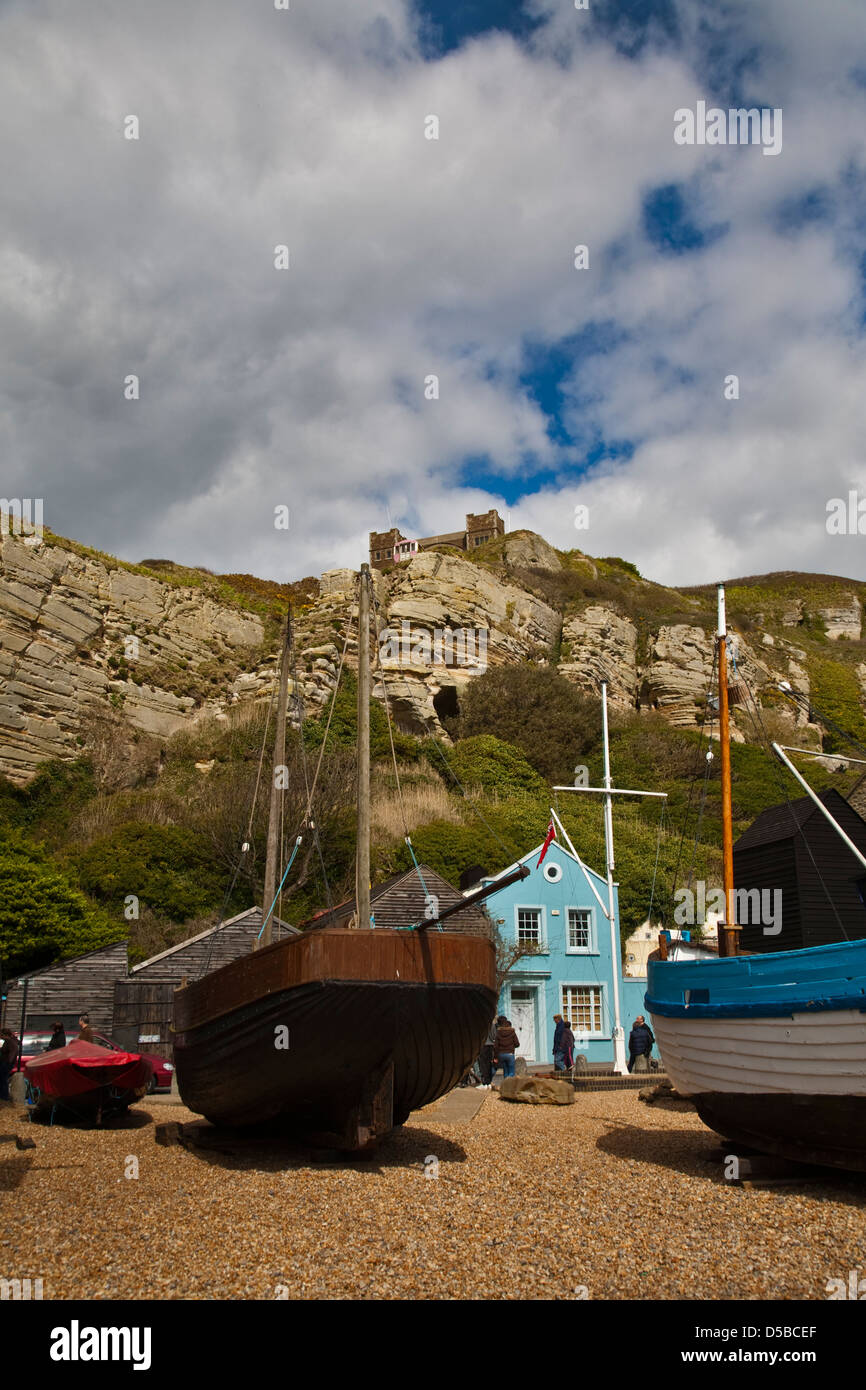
771, 1048
86, 1081
337, 1034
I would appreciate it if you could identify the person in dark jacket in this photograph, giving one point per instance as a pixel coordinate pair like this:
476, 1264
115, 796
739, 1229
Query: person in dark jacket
558, 1054
485, 1060
507, 1043
567, 1045
8, 1058
57, 1039
640, 1042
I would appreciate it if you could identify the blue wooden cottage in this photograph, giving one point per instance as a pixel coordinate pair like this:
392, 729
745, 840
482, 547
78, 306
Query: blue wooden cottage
571, 973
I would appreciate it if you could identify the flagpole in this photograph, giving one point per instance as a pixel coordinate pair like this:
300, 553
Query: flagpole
619, 1062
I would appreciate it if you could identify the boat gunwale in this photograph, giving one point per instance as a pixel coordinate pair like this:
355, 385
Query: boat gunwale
270, 970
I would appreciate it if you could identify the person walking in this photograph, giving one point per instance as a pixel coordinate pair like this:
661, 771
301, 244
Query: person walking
507, 1043
640, 1042
85, 1032
558, 1054
567, 1044
485, 1059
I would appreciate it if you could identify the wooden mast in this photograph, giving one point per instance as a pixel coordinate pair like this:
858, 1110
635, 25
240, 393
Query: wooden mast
277, 788
729, 933
362, 856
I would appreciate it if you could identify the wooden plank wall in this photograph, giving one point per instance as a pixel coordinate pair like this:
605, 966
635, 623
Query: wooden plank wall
839, 869
768, 867
82, 985
143, 1007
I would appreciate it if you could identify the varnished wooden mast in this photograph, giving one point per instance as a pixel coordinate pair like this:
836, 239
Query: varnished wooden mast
277, 788
729, 933
362, 858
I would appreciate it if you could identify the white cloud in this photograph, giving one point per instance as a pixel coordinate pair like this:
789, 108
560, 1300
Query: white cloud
412, 257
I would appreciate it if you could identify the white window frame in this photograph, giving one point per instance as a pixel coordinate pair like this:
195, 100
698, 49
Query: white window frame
592, 948
605, 1033
542, 926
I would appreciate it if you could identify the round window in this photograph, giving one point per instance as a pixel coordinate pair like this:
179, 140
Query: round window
552, 872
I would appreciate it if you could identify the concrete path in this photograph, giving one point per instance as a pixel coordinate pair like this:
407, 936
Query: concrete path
459, 1107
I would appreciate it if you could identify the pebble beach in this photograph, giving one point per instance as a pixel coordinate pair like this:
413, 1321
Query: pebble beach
605, 1199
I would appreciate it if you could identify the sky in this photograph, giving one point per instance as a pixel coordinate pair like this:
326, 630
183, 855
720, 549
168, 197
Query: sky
607, 387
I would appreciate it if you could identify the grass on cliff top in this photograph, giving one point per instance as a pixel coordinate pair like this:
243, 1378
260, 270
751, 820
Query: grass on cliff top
263, 597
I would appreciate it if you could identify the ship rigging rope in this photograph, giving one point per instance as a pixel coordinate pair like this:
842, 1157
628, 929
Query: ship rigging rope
428, 896
208, 956
758, 724
307, 818
693, 779
656, 866
314, 824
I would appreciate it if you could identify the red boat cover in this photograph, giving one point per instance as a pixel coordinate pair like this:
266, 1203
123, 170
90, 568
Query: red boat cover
82, 1066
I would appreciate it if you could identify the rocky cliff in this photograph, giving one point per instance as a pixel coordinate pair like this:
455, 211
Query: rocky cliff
86, 640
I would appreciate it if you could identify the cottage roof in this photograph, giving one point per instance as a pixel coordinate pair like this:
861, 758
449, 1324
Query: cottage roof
253, 913
555, 845
400, 901
67, 960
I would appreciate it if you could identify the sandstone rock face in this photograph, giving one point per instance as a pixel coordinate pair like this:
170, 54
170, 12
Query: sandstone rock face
602, 645
843, 619
64, 617
83, 637
443, 621
677, 676
525, 550
537, 1090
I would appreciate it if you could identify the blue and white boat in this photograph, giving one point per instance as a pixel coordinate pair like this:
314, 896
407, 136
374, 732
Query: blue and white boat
772, 1047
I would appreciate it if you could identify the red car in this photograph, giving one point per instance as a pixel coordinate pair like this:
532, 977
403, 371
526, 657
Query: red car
35, 1043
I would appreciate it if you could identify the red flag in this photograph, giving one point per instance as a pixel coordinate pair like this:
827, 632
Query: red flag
551, 835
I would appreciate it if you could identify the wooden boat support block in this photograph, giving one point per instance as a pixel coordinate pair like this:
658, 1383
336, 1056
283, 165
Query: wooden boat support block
169, 1134
537, 1090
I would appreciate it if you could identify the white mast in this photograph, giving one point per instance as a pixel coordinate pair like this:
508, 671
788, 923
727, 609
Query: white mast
619, 1062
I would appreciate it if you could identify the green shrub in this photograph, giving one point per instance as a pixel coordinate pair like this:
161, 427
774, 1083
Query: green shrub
42, 915
167, 867
537, 710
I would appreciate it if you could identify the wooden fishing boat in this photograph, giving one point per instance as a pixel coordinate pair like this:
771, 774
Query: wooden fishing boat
86, 1080
771, 1047
337, 1034
340, 1032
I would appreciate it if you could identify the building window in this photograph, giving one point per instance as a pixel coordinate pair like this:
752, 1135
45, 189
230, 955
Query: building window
582, 1006
529, 924
579, 929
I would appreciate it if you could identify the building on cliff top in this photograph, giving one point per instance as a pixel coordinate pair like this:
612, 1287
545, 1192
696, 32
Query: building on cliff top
392, 547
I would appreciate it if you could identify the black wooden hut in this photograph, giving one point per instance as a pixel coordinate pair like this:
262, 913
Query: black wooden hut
793, 848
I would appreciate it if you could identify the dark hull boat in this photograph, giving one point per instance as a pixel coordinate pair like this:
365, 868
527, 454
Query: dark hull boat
85, 1080
339, 1033
336, 1035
